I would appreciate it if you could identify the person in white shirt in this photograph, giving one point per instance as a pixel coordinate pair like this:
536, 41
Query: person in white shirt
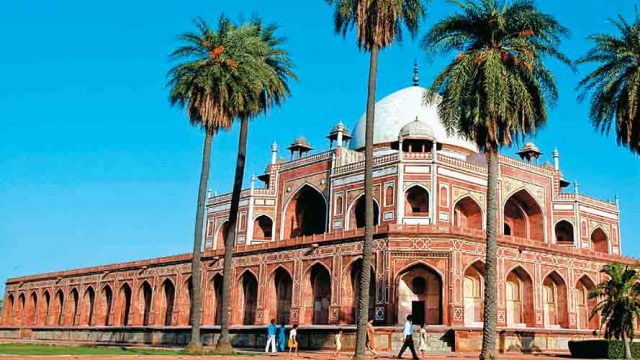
407, 333
293, 340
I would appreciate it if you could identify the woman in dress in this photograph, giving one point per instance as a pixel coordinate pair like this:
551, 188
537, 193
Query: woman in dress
282, 337
293, 340
422, 348
371, 338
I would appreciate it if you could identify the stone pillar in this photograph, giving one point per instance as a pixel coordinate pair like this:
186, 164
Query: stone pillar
249, 220
400, 186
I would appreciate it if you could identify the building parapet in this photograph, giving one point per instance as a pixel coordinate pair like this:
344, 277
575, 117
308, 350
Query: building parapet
323, 156
357, 166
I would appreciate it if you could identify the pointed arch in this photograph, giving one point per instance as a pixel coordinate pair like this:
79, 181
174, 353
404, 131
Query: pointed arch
351, 289
31, 311
59, 308
72, 311
416, 199
305, 213
124, 304
554, 301
166, 300
599, 241
248, 297
87, 313
184, 304
221, 233
44, 309
263, 227
474, 293
356, 213
523, 216
107, 305
20, 309
419, 292
519, 298
585, 305
564, 232
146, 298
216, 285
317, 293
468, 214
279, 295
9, 310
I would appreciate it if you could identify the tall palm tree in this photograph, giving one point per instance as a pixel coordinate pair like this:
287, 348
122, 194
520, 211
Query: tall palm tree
495, 91
614, 85
619, 303
378, 24
233, 72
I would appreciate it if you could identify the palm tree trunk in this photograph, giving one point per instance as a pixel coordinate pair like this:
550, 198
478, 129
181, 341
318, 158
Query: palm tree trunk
196, 265
627, 346
491, 262
224, 343
365, 273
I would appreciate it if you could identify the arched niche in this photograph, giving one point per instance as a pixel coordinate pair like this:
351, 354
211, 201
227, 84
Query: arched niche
305, 214
554, 301
249, 297
564, 232
416, 202
599, 241
145, 301
216, 286
316, 296
420, 294
263, 228
166, 303
519, 299
467, 214
523, 216
357, 214
474, 294
585, 305
351, 292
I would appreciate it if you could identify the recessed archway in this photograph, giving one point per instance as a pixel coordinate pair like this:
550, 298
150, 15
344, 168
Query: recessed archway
523, 216
564, 232
263, 228
221, 234
351, 292
316, 296
31, 316
145, 301
8, 310
357, 214
599, 241
519, 299
585, 305
416, 202
419, 292
107, 305
467, 214
554, 301
216, 284
166, 300
249, 297
59, 309
88, 307
74, 298
474, 294
19, 313
305, 214
124, 304
184, 314
44, 312
279, 295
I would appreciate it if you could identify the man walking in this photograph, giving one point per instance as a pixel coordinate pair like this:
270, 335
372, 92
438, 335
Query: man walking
407, 333
271, 336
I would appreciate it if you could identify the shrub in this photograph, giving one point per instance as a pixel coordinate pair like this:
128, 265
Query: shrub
602, 349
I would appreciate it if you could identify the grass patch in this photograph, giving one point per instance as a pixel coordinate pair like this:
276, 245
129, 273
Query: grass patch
45, 349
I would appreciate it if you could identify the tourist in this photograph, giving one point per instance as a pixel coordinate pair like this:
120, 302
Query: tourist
271, 336
371, 338
338, 344
293, 340
407, 334
282, 337
422, 347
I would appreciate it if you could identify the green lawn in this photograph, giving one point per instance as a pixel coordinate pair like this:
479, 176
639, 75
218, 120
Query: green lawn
43, 349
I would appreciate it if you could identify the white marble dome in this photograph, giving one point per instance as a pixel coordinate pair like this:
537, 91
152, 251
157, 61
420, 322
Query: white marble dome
402, 107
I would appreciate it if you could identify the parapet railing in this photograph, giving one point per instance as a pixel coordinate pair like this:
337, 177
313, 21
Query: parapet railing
326, 155
380, 160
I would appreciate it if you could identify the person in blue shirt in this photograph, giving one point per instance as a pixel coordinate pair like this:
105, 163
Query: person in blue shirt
271, 336
282, 337
407, 334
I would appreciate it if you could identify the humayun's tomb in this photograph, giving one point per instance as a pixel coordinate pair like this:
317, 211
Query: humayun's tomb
299, 240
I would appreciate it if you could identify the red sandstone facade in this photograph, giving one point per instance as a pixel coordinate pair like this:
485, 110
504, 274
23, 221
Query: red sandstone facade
299, 244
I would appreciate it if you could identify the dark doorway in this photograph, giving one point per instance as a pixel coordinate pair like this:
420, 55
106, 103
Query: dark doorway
417, 311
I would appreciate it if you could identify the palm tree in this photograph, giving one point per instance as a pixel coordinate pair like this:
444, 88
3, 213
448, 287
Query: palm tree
378, 23
619, 303
495, 91
614, 85
228, 73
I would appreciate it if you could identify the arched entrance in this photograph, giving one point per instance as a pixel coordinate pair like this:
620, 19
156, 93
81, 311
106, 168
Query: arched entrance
124, 302
249, 298
420, 294
351, 292
166, 300
216, 284
146, 295
357, 214
221, 234
73, 307
554, 301
467, 214
519, 296
44, 313
416, 202
263, 228
31, 316
305, 214
474, 294
523, 217
316, 297
599, 241
8, 310
107, 301
59, 308
564, 232
88, 307
584, 305
19, 313
279, 296
184, 315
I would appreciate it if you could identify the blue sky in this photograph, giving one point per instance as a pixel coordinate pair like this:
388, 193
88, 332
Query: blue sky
96, 167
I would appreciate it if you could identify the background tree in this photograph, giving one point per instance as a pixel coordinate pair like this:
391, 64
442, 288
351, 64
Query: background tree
619, 303
614, 85
495, 91
378, 24
193, 86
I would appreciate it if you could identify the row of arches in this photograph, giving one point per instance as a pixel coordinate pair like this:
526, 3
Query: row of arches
599, 241
519, 299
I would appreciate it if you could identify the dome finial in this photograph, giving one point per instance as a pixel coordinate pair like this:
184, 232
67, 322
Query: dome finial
416, 78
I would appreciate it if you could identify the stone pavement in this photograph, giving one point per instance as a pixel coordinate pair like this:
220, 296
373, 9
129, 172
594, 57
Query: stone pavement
301, 356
